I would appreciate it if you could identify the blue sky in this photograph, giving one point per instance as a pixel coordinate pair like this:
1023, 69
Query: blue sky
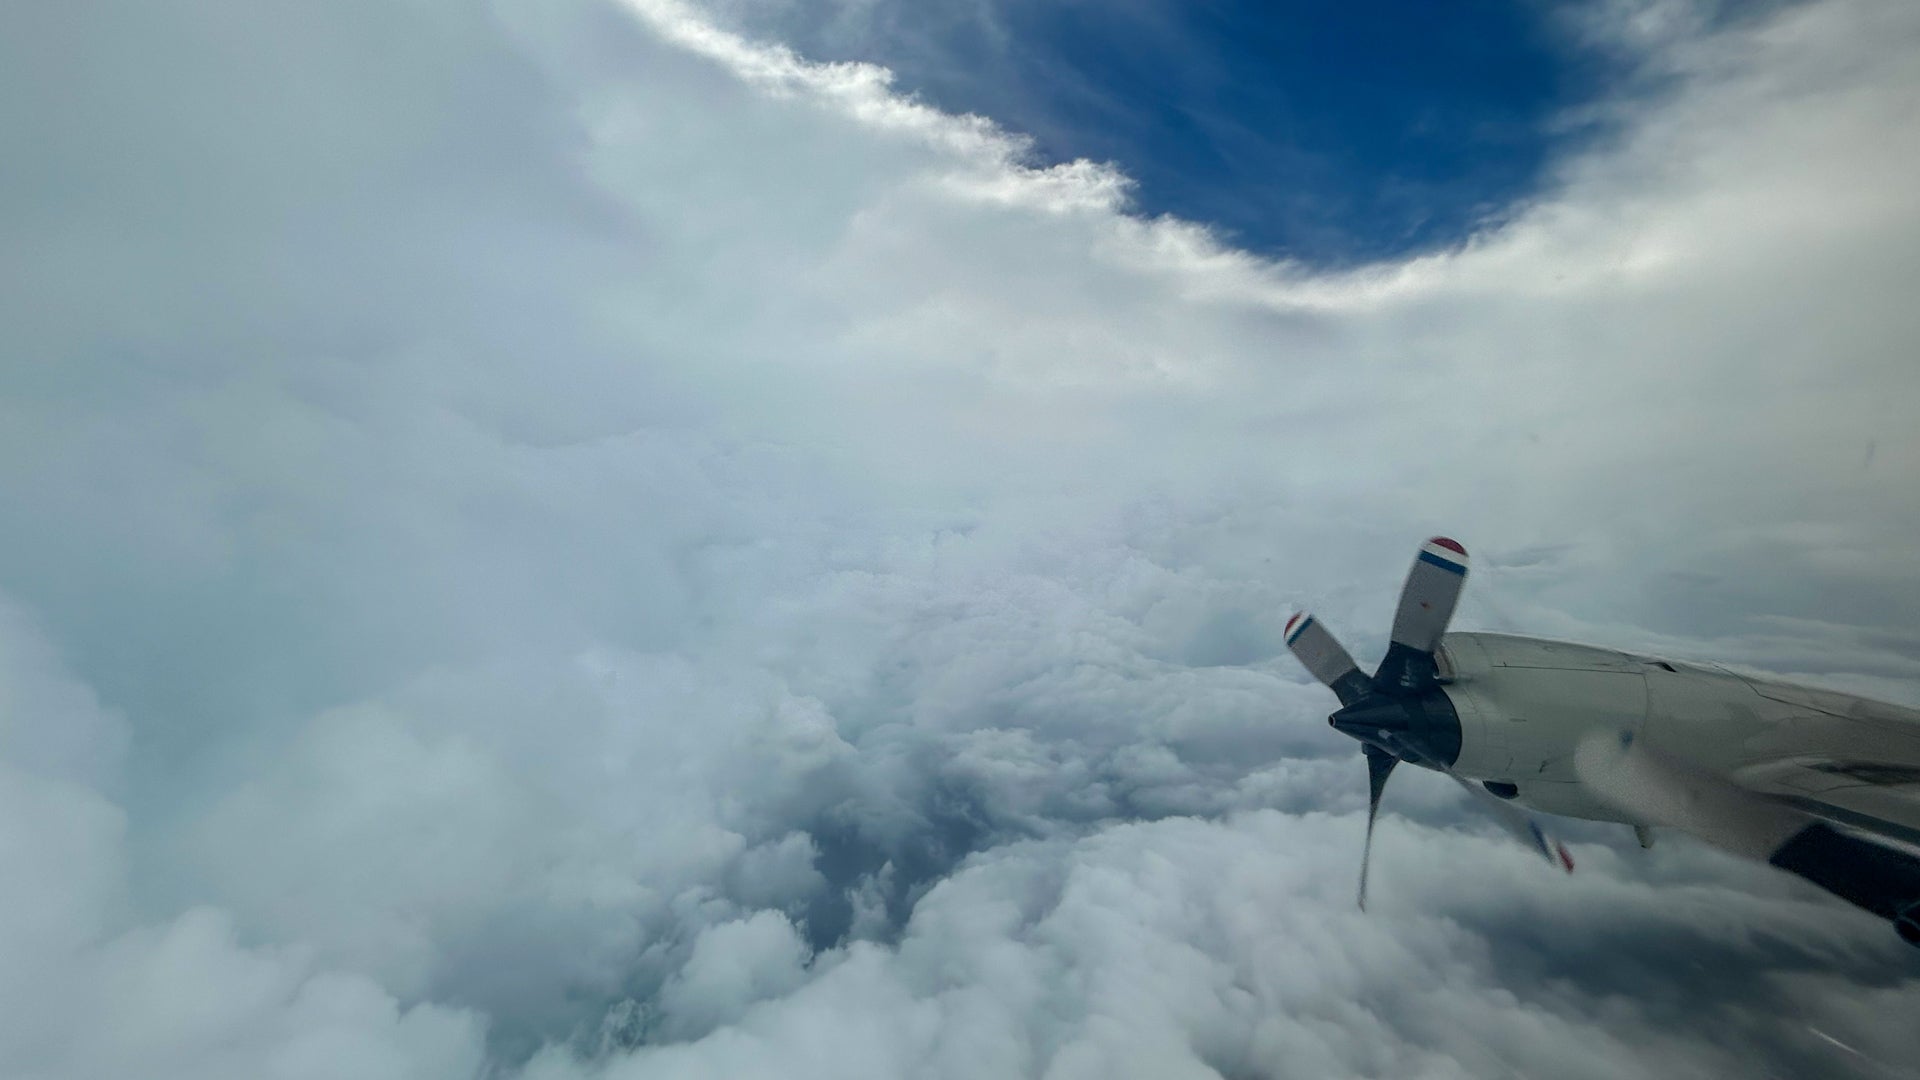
1329, 133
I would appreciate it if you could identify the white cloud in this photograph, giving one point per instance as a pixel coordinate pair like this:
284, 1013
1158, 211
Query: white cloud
583, 540
90, 990
1185, 948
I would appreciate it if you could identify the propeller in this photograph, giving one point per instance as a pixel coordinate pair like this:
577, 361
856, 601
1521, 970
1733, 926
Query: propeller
1400, 712
1379, 766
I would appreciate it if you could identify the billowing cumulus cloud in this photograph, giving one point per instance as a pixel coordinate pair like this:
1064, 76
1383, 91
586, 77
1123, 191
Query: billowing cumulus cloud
560, 541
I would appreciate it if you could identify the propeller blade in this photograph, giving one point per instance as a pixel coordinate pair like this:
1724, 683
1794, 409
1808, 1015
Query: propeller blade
1379, 766
1325, 659
1524, 826
1426, 606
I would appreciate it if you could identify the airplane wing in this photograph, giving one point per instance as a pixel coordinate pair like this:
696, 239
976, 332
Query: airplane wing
1828, 790
1846, 760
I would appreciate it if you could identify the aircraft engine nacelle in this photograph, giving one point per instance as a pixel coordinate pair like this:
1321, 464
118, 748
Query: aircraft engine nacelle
1525, 705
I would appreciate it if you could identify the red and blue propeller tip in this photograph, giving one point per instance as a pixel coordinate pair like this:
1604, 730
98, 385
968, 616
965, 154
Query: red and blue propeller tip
1326, 659
1433, 587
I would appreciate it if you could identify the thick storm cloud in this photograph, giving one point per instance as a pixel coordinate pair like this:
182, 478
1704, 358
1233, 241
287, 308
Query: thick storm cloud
558, 541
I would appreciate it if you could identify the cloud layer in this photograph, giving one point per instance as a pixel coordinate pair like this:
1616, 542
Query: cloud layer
560, 540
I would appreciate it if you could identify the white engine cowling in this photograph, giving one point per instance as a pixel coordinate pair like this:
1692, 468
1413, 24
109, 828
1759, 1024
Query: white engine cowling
1525, 705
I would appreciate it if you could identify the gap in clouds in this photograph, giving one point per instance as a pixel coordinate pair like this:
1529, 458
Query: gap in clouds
1331, 135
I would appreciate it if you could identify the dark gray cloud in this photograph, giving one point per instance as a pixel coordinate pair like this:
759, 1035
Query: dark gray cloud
559, 541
